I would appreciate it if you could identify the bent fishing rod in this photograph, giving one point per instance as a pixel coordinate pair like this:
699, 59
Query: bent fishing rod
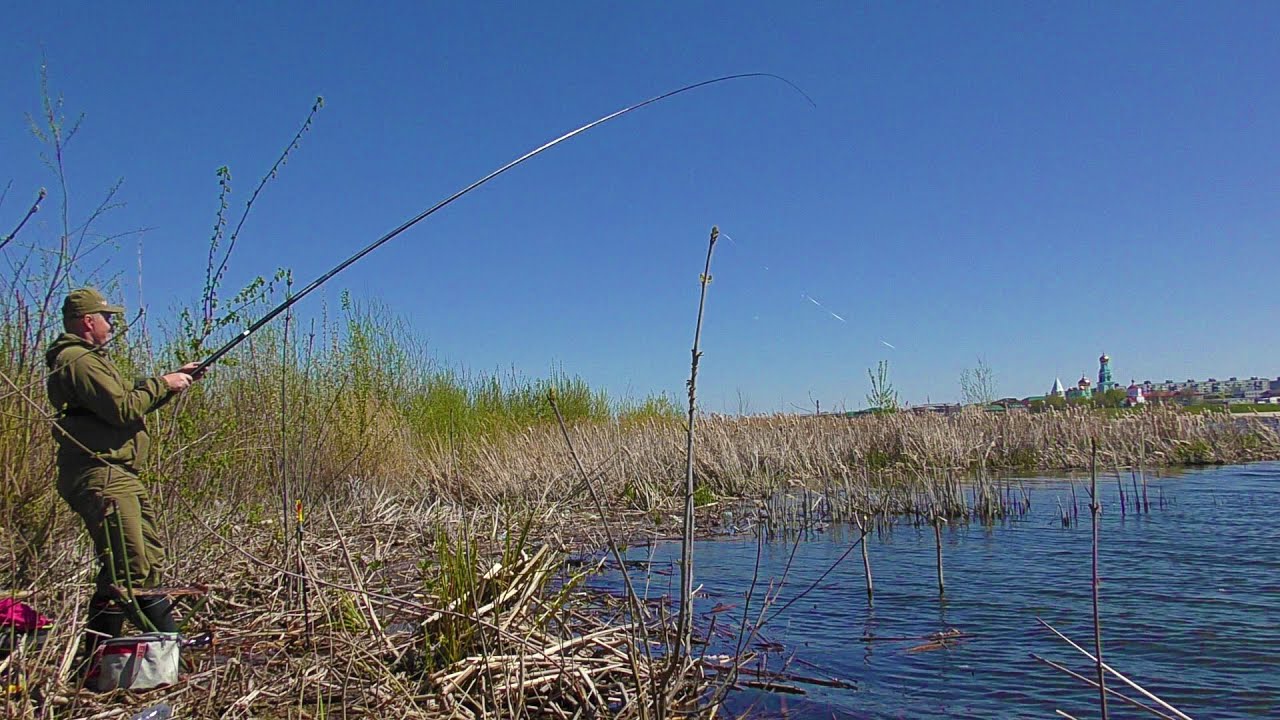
244, 335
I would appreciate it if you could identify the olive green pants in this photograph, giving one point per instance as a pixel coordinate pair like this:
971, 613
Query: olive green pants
117, 513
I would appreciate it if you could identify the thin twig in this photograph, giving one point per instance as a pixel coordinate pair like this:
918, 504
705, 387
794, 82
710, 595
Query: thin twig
35, 208
684, 623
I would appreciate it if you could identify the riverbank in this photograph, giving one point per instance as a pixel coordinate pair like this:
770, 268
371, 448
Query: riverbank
381, 606
449, 591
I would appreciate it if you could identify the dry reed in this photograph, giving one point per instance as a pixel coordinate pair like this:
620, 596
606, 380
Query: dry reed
520, 636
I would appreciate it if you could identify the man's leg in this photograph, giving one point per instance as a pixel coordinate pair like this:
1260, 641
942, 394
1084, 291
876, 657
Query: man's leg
82, 489
115, 510
158, 609
134, 543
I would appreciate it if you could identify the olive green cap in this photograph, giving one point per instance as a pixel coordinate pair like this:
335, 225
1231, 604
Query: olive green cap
87, 301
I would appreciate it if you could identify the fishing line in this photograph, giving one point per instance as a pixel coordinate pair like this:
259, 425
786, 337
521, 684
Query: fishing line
804, 295
440, 205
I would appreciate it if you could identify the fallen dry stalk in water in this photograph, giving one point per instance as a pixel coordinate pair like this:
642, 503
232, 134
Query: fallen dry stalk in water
1094, 683
1166, 706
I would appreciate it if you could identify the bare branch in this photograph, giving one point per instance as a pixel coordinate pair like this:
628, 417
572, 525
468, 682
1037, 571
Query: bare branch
35, 208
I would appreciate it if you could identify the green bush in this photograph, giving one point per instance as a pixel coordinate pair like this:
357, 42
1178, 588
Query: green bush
702, 495
1193, 452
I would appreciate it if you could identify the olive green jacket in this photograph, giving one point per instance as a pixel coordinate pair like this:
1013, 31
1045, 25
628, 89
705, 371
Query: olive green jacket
97, 407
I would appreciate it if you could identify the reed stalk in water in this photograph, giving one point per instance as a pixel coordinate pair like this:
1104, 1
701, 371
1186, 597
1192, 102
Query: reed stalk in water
1091, 683
1119, 482
1149, 695
866, 561
1146, 505
937, 537
1097, 621
684, 623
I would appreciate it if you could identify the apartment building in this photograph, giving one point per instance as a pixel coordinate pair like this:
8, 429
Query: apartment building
1240, 388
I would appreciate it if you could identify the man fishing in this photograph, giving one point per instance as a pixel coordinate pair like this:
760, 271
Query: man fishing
102, 441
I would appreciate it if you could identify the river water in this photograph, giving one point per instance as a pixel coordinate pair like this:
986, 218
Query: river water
1190, 607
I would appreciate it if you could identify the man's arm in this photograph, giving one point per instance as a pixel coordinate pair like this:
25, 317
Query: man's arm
160, 401
189, 370
97, 386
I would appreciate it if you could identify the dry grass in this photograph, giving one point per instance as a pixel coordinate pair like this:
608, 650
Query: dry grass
754, 456
415, 610
437, 585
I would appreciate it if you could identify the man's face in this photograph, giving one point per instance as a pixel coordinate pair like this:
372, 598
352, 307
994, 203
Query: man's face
100, 327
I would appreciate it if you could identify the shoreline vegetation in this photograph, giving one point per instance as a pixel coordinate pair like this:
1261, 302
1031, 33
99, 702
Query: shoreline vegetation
443, 566
383, 535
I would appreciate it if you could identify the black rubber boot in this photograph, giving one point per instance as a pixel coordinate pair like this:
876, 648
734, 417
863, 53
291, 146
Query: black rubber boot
160, 612
106, 620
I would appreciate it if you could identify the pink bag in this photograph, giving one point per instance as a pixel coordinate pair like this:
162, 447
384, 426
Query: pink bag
21, 617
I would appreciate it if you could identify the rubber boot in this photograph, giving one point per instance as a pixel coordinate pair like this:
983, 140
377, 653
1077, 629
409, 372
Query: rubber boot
160, 612
106, 620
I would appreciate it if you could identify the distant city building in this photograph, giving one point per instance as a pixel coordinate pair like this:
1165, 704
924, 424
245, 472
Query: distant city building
1231, 391
937, 409
1085, 389
1246, 390
1134, 395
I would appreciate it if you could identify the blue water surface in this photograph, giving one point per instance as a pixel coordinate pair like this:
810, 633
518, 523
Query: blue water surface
1190, 606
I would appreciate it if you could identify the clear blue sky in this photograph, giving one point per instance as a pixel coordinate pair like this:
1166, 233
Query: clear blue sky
1034, 183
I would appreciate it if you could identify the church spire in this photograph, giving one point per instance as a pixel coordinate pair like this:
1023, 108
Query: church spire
1105, 382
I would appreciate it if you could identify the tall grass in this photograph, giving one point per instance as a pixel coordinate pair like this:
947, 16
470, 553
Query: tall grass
749, 456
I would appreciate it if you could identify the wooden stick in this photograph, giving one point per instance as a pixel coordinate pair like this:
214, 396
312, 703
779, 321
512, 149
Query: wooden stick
1119, 484
639, 616
358, 581
684, 622
773, 687
1146, 505
1075, 505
